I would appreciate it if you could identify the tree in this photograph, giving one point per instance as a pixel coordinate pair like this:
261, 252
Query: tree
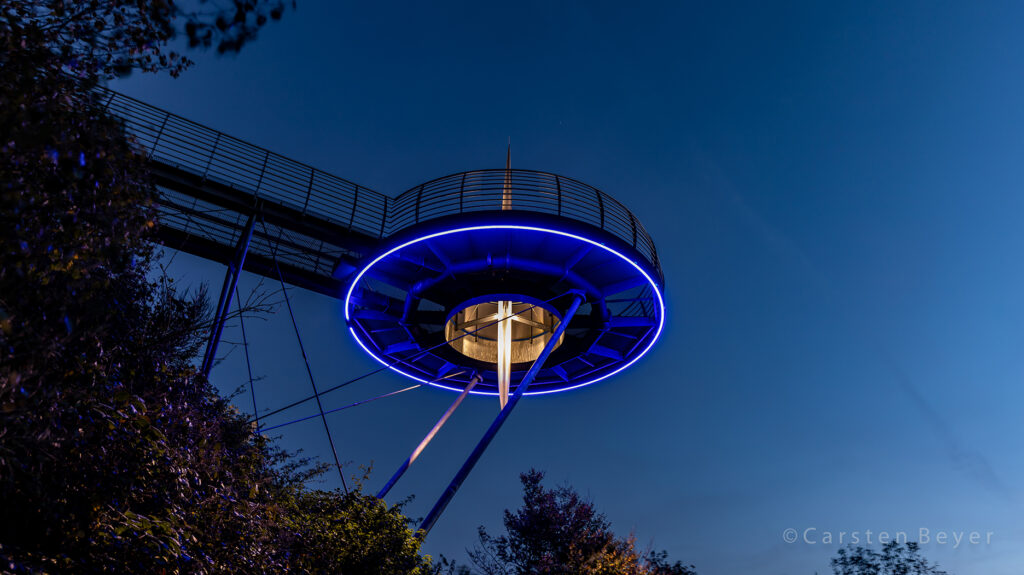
354, 534
101, 38
112, 447
556, 532
116, 455
894, 559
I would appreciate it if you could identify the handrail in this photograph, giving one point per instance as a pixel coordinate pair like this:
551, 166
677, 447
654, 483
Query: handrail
530, 190
215, 157
180, 143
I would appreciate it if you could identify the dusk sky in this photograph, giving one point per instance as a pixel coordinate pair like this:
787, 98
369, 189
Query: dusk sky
835, 191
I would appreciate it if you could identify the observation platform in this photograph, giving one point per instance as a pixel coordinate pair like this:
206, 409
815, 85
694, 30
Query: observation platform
420, 273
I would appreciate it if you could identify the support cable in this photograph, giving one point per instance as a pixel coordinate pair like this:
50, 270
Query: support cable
381, 396
309, 370
308, 417
248, 364
398, 361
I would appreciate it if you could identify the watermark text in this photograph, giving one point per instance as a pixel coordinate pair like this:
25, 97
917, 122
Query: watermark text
923, 536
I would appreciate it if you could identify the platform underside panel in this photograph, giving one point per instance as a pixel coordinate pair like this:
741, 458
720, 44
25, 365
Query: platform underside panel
304, 255
400, 304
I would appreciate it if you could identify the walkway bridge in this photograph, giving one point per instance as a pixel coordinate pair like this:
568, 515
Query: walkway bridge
319, 226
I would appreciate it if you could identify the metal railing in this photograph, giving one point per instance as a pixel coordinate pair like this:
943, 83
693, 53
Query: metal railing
527, 190
217, 157
213, 156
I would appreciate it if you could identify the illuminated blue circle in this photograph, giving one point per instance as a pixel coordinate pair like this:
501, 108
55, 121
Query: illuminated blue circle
409, 367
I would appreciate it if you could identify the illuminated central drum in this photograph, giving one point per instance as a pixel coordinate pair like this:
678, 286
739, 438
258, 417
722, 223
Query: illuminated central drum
476, 330
479, 270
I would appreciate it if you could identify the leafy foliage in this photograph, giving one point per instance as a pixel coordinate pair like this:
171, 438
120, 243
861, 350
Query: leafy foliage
115, 454
556, 532
894, 559
352, 534
110, 38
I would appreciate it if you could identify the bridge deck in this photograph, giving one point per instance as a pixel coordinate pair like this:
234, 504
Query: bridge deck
316, 225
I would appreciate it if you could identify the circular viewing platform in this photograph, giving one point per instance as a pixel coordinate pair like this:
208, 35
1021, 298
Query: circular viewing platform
521, 191
462, 247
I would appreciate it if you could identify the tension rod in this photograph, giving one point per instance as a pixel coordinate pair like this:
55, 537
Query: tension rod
429, 437
478, 451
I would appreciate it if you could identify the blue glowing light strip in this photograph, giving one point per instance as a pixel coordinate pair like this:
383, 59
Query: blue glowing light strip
654, 286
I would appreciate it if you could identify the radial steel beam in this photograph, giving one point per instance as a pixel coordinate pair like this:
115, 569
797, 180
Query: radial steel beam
478, 451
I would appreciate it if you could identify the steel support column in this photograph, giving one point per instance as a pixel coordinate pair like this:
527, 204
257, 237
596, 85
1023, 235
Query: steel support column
429, 437
220, 316
478, 451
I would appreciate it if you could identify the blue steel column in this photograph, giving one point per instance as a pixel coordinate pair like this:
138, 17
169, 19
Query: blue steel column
224, 303
478, 451
429, 437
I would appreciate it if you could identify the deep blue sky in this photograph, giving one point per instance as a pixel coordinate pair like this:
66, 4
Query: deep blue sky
835, 190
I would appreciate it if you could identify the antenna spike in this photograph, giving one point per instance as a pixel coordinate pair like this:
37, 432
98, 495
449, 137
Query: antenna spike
506, 193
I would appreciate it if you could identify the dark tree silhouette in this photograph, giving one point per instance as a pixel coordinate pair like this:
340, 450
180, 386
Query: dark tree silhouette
115, 454
556, 532
104, 38
894, 559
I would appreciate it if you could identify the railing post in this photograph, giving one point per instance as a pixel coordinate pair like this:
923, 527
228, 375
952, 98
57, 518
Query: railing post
462, 191
632, 223
355, 200
213, 152
419, 196
159, 133
558, 186
309, 190
263, 170
600, 205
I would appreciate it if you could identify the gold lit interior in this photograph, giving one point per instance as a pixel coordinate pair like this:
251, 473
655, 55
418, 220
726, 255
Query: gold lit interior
527, 331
